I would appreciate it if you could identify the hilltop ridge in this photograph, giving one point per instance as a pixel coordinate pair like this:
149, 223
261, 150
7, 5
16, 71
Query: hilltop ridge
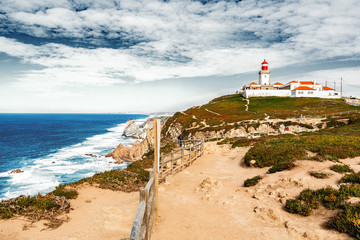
226, 113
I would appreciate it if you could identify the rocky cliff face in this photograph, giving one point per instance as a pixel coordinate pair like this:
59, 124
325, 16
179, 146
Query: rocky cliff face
139, 148
131, 129
246, 129
135, 151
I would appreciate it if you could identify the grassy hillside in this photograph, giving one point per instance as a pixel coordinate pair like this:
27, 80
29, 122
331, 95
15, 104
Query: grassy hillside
227, 110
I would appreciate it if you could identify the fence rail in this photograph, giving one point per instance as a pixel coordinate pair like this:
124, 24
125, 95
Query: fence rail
144, 220
170, 163
181, 158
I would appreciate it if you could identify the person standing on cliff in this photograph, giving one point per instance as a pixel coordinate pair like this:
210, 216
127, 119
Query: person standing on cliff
180, 139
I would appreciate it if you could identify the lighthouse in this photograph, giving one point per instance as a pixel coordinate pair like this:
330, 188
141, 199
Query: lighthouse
264, 74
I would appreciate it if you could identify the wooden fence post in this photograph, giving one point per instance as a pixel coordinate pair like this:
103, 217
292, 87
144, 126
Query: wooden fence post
182, 159
190, 155
156, 166
172, 162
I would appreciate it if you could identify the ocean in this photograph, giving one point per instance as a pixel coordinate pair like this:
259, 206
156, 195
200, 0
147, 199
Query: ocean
54, 149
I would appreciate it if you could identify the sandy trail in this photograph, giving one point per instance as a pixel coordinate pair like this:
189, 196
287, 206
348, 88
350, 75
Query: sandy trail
205, 201
98, 214
221, 208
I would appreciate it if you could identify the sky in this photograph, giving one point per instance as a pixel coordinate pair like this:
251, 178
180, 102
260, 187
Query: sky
111, 56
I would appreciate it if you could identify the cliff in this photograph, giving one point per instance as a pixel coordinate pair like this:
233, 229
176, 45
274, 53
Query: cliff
233, 116
135, 151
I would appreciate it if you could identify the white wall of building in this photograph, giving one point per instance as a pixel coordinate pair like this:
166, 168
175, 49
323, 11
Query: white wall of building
320, 94
264, 78
289, 93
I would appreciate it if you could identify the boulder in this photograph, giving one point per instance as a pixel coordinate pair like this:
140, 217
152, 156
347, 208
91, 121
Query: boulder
252, 163
17, 171
174, 130
131, 129
149, 123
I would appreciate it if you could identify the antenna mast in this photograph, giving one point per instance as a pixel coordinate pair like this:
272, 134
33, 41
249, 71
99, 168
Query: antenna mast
341, 89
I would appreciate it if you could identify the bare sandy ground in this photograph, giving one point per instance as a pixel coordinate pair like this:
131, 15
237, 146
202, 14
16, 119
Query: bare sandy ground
98, 214
208, 200
205, 201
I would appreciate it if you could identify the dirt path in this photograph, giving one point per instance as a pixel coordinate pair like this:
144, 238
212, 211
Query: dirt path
97, 214
212, 112
208, 201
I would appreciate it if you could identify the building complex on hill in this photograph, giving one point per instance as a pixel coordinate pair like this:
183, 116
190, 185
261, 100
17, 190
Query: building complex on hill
264, 88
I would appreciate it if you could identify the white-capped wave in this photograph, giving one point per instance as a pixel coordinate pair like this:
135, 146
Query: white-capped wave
68, 164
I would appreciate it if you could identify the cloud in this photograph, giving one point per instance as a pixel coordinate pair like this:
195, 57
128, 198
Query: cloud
158, 40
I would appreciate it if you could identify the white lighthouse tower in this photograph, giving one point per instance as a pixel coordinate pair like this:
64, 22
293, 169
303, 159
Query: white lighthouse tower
264, 74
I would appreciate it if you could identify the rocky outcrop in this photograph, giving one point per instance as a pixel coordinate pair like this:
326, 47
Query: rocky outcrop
174, 130
149, 123
16, 171
247, 129
135, 151
131, 129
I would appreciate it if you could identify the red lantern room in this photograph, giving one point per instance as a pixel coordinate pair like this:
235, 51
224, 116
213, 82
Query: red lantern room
264, 66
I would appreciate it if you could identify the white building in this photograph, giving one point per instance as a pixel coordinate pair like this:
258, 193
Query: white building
264, 88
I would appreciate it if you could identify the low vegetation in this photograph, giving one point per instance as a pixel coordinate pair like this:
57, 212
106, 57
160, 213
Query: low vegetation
310, 200
225, 112
351, 178
347, 219
26, 206
341, 168
325, 147
36, 208
320, 175
252, 181
62, 191
281, 167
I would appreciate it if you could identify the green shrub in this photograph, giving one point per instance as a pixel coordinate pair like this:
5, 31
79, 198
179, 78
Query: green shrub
334, 123
6, 212
252, 181
341, 168
320, 175
281, 167
350, 190
328, 197
331, 198
310, 198
326, 147
308, 126
46, 204
67, 193
274, 152
242, 143
296, 206
347, 220
351, 178
35, 204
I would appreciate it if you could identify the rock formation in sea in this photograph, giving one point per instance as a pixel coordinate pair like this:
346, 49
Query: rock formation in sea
17, 171
135, 151
131, 129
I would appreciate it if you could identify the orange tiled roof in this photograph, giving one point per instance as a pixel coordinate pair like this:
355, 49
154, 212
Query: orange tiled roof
254, 83
303, 88
308, 83
278, 83
292, 82
304, 82
328, 88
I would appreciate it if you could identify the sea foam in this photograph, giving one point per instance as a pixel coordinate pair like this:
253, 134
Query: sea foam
67, 164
